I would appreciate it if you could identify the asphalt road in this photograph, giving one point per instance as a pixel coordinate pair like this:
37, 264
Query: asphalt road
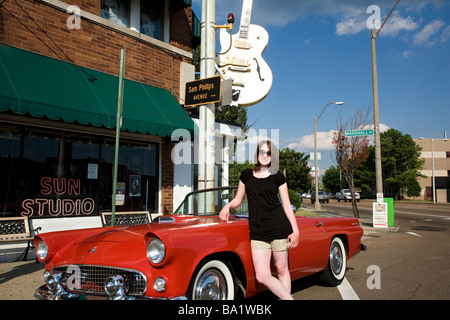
407, 262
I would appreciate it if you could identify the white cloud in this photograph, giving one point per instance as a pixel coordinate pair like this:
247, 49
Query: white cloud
395, 24
425, 36
445, 34
350, 26
306, 143
406, 54
281, 12
324, 140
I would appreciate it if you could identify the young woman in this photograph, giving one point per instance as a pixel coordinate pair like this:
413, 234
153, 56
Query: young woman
273, 227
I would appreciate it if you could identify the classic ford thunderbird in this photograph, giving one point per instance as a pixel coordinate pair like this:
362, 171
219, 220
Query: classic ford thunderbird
190, 254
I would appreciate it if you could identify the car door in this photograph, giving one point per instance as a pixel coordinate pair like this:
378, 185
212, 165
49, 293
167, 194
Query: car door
312, 251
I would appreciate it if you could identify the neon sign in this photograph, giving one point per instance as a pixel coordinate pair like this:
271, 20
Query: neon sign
58, 206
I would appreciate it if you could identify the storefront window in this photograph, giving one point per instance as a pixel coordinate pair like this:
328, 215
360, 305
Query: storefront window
48, 175
137, 177
10, 168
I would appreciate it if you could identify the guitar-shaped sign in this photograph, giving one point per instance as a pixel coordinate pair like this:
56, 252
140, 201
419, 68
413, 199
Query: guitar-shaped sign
240, 59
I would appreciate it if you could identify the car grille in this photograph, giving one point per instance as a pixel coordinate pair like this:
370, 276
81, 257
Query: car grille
92, 279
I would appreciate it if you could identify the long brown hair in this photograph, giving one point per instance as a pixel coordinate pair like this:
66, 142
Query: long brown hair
274, 158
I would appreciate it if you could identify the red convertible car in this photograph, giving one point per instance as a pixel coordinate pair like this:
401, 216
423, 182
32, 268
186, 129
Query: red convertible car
190, 254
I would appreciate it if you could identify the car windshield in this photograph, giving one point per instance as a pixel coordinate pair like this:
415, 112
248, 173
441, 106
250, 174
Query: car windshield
210, 202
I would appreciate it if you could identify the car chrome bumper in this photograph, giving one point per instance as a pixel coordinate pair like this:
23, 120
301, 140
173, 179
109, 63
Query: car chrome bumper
45, 293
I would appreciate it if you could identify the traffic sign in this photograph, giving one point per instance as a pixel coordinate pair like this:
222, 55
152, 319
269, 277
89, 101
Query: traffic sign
202, 91
353, 133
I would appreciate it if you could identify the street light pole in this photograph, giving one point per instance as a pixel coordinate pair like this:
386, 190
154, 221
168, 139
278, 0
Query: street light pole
316, 172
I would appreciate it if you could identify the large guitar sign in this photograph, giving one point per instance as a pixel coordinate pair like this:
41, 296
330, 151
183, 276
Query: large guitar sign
240, 59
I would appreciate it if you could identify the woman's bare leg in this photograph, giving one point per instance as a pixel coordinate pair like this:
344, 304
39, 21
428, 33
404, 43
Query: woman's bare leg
261, 262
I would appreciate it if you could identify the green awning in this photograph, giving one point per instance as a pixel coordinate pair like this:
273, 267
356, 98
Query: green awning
196, 26
41, 86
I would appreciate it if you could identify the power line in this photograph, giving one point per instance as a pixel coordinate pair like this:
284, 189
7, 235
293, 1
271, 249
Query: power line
386, 18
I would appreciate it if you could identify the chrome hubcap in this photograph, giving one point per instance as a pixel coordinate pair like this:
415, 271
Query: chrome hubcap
336, 258
211, 286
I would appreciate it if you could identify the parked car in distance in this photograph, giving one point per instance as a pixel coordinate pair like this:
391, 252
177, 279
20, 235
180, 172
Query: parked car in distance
346, 195
190, 254
323, 197
306, 195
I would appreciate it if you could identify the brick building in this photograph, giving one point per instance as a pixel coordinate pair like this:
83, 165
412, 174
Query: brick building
59, 68
437, 151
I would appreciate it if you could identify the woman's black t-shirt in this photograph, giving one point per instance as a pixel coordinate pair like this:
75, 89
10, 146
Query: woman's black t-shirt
267, 219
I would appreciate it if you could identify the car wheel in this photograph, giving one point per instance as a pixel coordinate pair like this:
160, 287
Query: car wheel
214, 281
337, 264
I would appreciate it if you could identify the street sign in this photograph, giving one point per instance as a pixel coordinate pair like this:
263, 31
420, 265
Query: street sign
202, 91
354, 133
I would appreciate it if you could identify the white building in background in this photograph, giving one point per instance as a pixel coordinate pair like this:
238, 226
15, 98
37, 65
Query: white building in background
436, 153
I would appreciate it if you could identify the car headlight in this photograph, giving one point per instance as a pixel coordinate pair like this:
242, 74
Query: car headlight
42, 250
156, 251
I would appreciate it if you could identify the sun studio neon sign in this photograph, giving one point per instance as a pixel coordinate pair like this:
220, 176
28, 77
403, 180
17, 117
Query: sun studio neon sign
57, 205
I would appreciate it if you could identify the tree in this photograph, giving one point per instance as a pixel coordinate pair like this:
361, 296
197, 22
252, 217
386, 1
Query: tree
332, 180
400, 158
350, 152
235, 170
297, 169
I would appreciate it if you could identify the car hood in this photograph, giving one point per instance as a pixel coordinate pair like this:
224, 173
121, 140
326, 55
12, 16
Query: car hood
115, 246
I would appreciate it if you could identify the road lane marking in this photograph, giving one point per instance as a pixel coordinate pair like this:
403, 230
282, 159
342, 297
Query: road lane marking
346, 291
422, 214
414, 234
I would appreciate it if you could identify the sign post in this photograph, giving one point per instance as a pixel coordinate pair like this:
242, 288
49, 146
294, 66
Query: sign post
118, 125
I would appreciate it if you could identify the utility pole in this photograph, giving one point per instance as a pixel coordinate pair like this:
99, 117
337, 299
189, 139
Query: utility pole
376, 114
206, 172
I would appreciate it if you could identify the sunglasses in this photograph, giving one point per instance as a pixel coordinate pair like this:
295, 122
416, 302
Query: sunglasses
262, 153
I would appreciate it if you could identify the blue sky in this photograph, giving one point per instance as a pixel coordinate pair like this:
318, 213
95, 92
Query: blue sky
319, 52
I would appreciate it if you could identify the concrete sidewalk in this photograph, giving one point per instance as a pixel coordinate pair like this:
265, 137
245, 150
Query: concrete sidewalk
19, 280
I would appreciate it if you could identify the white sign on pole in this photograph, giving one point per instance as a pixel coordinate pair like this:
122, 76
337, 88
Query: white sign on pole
380, 197
380, 215
311, 156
